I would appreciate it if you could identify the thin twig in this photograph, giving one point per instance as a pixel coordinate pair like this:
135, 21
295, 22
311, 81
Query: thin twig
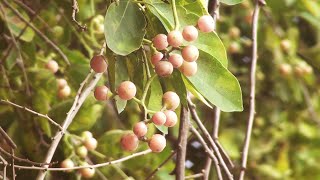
310, 107
182, 143
162, 164
24, 160
75, 10
12, 162
258, 4
208, 151
9, 141
205, 132
87, 166
32, 111
194, 176
79, 100
44, 37
5, 164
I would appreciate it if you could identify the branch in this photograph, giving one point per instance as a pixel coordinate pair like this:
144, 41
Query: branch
33, 112
182, 143
5, 164
9, 141
258, 4
162, 164
194, 176
196, 118
79, 99
208, 151
75, 10
44, 37
87, 166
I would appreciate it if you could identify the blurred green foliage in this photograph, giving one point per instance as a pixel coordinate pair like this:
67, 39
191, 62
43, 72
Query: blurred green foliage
285, 141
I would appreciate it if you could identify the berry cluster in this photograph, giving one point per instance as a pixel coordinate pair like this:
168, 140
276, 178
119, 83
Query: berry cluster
165, 60
64, 89
87, 143
166, 117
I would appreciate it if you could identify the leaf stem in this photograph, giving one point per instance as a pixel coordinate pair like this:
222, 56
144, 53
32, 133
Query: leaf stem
175, 15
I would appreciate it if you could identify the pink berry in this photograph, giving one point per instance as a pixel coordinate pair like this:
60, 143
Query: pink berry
67, 163
90, 143
129, 142
64, 92
190, 53
87, 172
101, 93
156, 58
175, 38
164, 68
160, 42
170, 100
157, 143
52, 66
206, 23
127, 90
176, 60
190, 33
98, 64
159, 118
189, 68
140, 129
61, 83
171, 118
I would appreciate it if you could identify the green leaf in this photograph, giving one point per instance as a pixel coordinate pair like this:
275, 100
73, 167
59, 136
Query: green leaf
162, 128
109, 143
124, 27
231, 2
196, 93
217, 84
120, 104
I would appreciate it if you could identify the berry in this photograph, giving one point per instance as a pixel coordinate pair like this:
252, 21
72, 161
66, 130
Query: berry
52, 66
127, 90
175, 38
101, 93
67, 163
86, 135
98, 64
164, 68
285, 69
190, 53
160, 42
190, 33
57, 31
170, 100
64, 92
159, 118
87, 172
90, 143
156, 58
206, 23
140, 129
129, 142
189, 68
234, 47
61, 83
82, 151
157, 143
234, 32
285, 45
171, 118
176, 60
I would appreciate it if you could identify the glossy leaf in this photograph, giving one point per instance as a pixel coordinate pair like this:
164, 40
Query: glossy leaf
231, 2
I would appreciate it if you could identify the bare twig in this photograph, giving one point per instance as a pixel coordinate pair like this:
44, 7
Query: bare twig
5, 164
12, 162
44, 37
194, 176
258, 4
182, 143
75, 10
79, 99
208, 137
162, 164
8, 139
310, 107
87, 166
32, 111
208, 151
24, 160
